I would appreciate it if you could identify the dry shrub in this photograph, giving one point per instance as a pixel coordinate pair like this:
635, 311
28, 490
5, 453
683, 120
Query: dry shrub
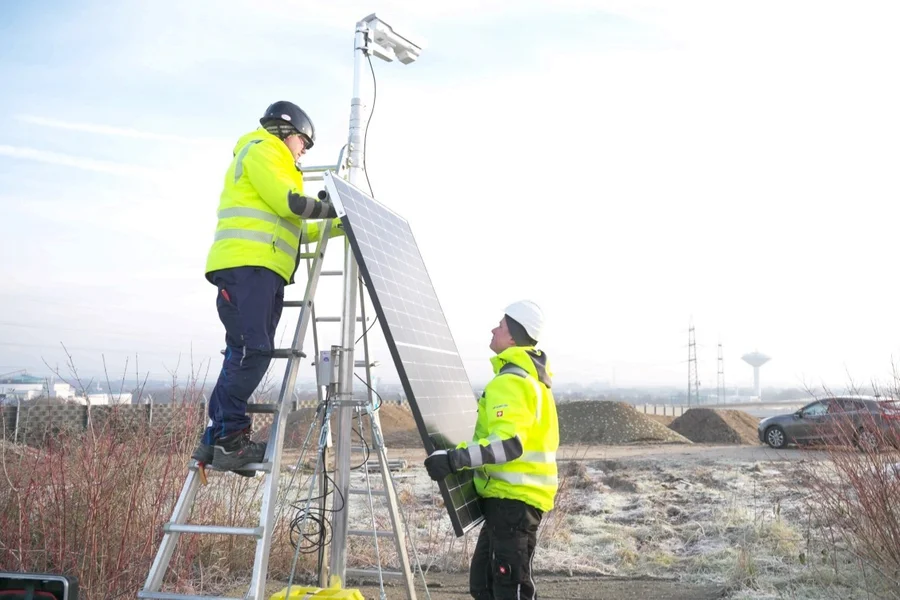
91, 503
575, 473
856, 491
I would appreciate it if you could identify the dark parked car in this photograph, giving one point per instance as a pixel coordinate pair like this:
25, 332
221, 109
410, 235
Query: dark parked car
865, 421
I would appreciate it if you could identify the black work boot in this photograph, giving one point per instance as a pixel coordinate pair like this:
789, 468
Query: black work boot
233, 451
204, 454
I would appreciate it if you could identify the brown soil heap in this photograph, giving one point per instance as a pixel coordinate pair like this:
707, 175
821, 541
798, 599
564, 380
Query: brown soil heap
603, 422
717, 426
399, 427
581, 422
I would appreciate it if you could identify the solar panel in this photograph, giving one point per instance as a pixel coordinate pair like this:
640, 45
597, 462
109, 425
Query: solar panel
416, 331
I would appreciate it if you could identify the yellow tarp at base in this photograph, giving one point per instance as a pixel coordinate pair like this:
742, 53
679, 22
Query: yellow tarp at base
306, 593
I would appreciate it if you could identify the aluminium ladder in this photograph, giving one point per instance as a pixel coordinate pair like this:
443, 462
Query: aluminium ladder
271, 465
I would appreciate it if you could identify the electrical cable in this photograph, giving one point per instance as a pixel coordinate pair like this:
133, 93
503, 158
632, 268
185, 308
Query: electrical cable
375, 320
320, 535
377, 395
366, 450
369, 121
322, 528
364, 333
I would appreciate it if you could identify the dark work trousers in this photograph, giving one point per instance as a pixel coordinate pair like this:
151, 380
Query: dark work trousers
501, 563
249, 301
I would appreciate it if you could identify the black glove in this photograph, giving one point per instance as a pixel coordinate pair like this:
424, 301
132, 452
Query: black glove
438, 465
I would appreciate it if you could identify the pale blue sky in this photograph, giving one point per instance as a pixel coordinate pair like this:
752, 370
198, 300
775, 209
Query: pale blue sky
730, 161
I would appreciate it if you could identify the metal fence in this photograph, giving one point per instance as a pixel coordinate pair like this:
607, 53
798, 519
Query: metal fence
27, 422
665, 410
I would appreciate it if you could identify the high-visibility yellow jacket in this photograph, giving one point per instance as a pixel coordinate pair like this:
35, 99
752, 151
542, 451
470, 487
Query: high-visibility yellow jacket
262, 210
513, 450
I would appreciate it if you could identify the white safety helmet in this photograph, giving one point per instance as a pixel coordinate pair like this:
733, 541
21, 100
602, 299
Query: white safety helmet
529, 315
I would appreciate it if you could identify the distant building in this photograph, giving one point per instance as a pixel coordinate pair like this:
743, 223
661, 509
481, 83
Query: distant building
21, 387
29, 387
63, 390
104, 399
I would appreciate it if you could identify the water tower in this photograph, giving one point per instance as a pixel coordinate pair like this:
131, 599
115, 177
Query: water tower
756, 360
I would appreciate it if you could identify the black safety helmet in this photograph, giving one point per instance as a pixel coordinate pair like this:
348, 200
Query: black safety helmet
293, 114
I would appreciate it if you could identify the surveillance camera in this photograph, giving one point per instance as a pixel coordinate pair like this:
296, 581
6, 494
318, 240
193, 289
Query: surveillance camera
407, 55
385, 53
392, 44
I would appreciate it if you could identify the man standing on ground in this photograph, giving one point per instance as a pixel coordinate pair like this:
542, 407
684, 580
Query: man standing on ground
262, 220
513, 452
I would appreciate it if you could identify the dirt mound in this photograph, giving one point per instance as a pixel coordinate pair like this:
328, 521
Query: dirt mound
399, 427
603, 422
717, 426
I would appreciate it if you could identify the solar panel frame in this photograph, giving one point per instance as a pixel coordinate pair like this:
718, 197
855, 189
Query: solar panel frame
458, 490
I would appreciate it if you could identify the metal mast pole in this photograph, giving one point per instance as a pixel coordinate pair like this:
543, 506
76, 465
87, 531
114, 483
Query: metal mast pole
338, 563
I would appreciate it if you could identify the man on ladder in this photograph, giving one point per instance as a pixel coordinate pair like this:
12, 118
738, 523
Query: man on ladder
262, 220
513, 450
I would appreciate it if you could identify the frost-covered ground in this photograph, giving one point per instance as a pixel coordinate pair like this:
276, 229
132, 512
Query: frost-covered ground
732, 519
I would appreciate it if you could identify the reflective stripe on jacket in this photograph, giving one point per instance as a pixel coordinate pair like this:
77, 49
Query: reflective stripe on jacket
517, 433
263, 213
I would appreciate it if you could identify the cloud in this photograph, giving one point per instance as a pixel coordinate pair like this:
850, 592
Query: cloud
86, 164
114, 131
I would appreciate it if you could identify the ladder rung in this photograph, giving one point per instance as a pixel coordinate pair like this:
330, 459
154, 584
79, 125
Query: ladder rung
283, 353
372, 573
307, 255
359, 364
264, 467
393, 463
288, 353
259, 407
319, 169
331, 273
334, 319
370, 533
362, 492
294, 303
168, 596
213, 529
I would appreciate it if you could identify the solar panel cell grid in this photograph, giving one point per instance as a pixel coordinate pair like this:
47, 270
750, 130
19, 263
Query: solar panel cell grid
417, 334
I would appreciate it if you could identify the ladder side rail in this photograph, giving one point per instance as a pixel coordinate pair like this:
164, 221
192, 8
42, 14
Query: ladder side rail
371, 506
397, 523
365, 464
321, 503
170, 539
276, 436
